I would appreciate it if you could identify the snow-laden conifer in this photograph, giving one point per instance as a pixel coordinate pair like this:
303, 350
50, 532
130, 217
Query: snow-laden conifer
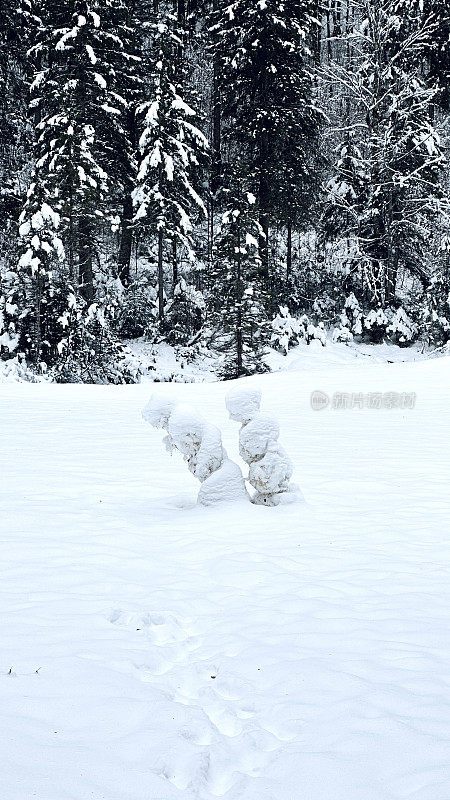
241, 319
172, 147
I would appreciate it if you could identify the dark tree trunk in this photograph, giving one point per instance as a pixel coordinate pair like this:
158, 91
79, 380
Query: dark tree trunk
126, 241
86, 259
38, 325
216, 161
239, 296
126, 230
160, 278
216, 125
289, 250
263, 192
181, 13
174, 263
329, 50
392, 275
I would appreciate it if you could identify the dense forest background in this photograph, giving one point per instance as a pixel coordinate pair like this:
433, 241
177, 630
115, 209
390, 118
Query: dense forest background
222, 175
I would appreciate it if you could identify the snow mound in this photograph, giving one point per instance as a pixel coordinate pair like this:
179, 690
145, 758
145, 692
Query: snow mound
224, 485
243, 404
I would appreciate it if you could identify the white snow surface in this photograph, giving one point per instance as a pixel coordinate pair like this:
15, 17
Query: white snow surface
153, 649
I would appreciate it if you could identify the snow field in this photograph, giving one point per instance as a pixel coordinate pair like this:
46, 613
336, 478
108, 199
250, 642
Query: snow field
153, 649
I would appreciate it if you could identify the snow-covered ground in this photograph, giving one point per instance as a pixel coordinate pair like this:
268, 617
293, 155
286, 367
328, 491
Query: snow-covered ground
167, 363
156, 650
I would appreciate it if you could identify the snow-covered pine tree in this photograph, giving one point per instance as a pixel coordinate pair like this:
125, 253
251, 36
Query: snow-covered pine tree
14, 26
77, 113
439, 49
434, 56
239, 289
436, 307
264, 51
14, 135
172, 150
184, 313
38, 288
128, 60
386, 190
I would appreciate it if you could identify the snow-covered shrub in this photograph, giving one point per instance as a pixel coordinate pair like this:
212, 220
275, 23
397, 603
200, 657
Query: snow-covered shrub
138, 309
15, 370
270, 468
270, 475
12, 314
342, 334
243, 404
376, 323
316, 333
324, 308
201, 447
129, 368
199, 442
158, 411
9, 338
436, 309
256, 435
313, 332
402, 329
352, 316
287, 331
88, 350
184, 313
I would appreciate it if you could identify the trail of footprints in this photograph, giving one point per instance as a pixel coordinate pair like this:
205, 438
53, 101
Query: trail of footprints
230, 744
